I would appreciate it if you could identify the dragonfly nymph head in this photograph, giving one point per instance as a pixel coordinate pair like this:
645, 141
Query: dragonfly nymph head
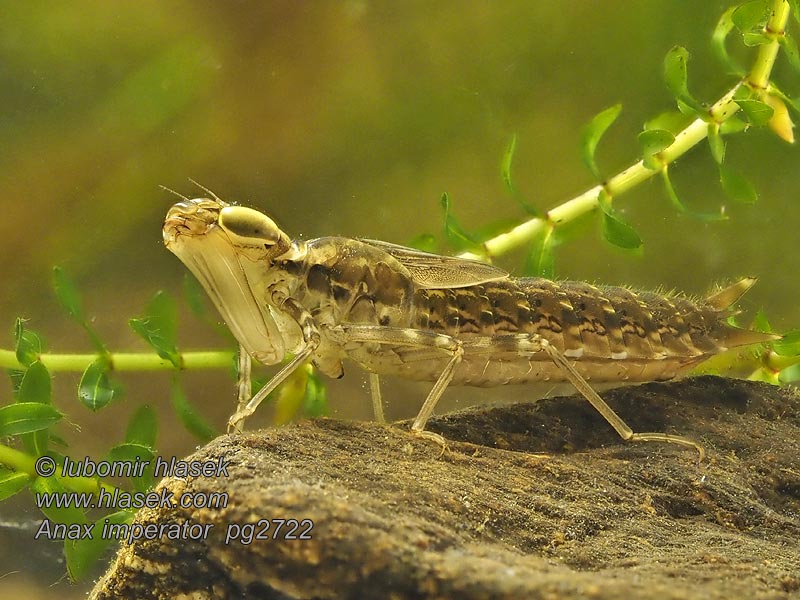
229, 249
253, 234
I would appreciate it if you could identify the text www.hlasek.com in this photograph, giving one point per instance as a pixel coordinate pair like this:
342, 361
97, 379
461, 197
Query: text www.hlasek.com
121, 499
109, 497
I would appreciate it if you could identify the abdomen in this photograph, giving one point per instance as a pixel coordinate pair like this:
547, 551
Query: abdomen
612, 333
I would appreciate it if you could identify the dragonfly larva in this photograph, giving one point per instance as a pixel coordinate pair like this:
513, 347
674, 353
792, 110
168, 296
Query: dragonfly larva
398, 311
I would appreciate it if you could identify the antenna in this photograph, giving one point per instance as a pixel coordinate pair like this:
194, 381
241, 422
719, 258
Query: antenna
205, 189
170, 190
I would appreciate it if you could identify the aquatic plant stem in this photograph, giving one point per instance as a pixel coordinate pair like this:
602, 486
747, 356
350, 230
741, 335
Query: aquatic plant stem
125, 361
688, 138
21, 462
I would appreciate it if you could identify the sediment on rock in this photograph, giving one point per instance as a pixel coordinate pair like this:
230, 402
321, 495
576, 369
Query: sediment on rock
536, 500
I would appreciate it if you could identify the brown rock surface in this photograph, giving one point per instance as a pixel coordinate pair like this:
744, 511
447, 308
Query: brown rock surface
589, 516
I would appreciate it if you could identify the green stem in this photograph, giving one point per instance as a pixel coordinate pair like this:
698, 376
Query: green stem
19, 461
124, 361
25, 463
767, 53
688, 138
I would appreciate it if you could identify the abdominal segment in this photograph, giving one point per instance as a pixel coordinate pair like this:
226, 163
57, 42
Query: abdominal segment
583, 321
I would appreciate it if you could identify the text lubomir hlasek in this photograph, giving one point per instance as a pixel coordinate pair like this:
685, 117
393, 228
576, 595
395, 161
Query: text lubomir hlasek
135, 468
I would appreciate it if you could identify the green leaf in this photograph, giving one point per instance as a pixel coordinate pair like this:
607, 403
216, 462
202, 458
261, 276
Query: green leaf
12, 482
795, 10
192, 421
456, 235
163, 310
761, 322
671, 194
676, 77
505, 166
733, 125
750, 18
673, 121
592, 134
676, 202
614, 229
794, 103
716, 143
736, 186
505, 172
789, 344
50, 486
158, 327
540, 261
70, 299
789, 374
315, 402
35, 387
620, 233
24, 417
721, 31
136, 454
29, 344
790, 49
94, 390
15, 375
143, 427
652, 142
754, 38
130, 452
150, 332
290, 396
757, 112
750, 15
67, 295
82, 554
57, 440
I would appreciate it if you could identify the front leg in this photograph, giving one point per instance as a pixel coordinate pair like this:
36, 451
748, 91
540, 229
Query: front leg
311, 341
244, 384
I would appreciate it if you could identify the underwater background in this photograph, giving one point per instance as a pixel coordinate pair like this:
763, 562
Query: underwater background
342, 118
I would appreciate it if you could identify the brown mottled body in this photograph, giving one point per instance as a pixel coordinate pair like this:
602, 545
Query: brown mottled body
613, 333
395, 310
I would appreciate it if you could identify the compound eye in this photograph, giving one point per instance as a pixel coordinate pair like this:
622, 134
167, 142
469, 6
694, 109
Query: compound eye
249, 224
